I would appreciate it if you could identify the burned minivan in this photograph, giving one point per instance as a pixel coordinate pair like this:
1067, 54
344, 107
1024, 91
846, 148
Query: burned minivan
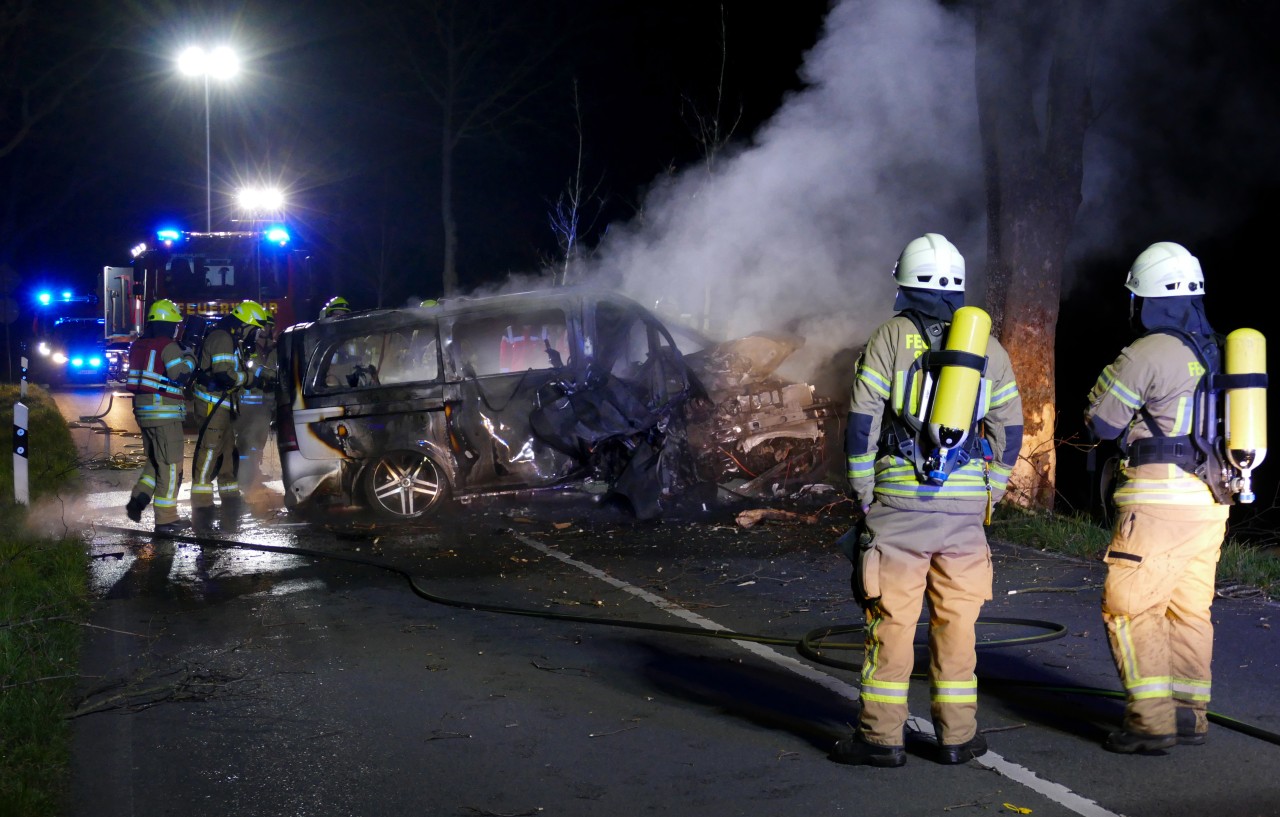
558, 390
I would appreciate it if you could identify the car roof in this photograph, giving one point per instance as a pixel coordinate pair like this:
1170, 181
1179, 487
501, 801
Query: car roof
450, 307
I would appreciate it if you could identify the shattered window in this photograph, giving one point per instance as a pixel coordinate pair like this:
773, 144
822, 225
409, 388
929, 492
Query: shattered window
411, 356
406, 355
513, 341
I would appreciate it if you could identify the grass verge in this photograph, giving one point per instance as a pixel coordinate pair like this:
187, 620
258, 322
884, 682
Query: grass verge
43, 599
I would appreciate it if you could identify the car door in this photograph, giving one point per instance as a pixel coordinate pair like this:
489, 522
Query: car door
372, 389
508, 361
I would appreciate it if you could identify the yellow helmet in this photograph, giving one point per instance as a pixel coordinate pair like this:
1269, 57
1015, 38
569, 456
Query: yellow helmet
250, 313
164, 310
337, 305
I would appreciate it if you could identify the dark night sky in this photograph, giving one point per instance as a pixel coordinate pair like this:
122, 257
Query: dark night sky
858, 132
323, 107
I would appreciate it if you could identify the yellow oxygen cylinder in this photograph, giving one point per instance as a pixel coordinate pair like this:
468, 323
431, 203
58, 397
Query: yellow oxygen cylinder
957, 392
1246, 427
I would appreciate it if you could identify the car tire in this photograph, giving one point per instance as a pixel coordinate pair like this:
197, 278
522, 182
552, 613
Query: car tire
404, 485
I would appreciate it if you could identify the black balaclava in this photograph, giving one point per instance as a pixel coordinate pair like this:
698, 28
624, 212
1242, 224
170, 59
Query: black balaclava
938, 304
161, 329
1184, 313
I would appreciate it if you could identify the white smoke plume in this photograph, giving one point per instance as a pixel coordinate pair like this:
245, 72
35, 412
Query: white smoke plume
799, 230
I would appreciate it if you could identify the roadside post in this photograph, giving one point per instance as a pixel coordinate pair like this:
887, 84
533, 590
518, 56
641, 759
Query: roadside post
21, 489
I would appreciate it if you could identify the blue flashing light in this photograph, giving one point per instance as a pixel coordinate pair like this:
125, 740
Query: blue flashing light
66, 294
45, 298
95, 362
278, 235
168, 235
77, 362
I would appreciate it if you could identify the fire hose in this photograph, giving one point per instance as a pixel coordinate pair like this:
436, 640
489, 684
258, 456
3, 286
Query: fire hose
810, 645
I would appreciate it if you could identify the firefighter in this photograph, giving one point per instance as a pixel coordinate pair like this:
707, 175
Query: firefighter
921, 536
337, 305
257, 404
1169, 527
158, 371
221, 376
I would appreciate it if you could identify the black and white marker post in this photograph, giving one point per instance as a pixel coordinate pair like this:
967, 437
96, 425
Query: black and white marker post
21, 446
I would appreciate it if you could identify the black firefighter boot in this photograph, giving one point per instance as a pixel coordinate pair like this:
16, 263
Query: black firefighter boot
136, 503
855, 751
203, 519
230, 512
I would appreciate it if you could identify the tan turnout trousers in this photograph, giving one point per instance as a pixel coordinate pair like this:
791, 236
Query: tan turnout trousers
215, 457
916, 556
1156, 606
161, 475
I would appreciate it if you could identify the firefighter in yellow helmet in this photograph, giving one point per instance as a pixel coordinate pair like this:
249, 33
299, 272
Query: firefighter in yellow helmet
257, 405
158, 371
221, 377
926, 486
1169, 527
337, 305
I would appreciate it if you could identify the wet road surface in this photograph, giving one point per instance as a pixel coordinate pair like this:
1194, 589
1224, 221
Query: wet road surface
223, 681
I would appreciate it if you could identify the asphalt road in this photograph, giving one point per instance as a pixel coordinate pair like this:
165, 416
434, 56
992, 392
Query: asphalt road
227, 681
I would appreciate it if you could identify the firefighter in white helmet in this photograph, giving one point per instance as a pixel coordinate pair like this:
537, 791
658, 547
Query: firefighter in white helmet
221, 377
924, 504
1169, 527
158, 372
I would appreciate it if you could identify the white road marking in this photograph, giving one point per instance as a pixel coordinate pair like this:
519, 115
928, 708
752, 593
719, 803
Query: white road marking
1052, 791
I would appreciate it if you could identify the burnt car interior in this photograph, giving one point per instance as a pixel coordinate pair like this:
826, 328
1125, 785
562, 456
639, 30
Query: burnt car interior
405, 355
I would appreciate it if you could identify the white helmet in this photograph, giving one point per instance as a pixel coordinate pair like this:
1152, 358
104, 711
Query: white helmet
1163, 270
930, 262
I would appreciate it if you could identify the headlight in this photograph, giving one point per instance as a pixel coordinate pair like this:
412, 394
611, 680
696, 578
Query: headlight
59, 358
43, 348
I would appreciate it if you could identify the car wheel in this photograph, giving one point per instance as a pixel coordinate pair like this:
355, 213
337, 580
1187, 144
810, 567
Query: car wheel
404, 485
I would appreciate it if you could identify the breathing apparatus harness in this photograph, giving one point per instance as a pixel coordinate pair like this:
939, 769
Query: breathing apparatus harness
147, 372
907, 435
1203, 451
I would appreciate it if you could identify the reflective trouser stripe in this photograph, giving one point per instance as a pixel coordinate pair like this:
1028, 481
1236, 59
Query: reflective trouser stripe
955, 692
1191, 689
888, 692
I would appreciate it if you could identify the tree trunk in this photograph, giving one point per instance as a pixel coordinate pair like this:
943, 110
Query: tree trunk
449, 273
1033, 162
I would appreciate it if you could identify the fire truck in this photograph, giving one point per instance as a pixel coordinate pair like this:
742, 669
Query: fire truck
206, 275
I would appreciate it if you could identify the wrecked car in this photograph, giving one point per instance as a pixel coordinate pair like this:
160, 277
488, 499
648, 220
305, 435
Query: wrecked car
565, 389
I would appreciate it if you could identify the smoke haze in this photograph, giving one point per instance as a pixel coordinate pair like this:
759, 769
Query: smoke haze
799, 230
